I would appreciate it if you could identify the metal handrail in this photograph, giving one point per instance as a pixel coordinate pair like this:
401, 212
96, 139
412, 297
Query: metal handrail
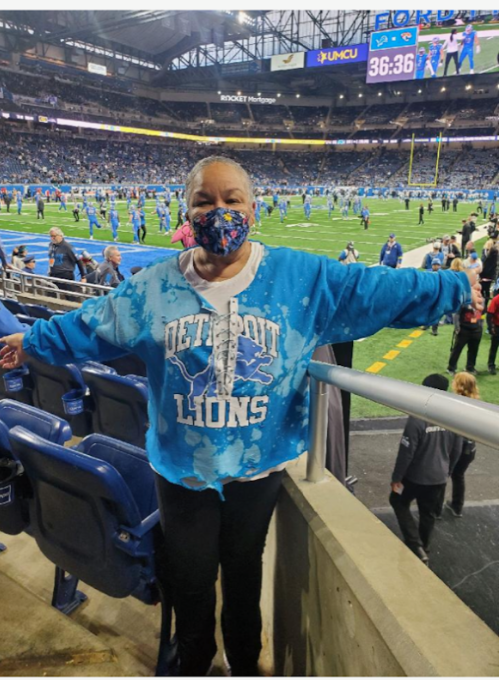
470, 418
17, 281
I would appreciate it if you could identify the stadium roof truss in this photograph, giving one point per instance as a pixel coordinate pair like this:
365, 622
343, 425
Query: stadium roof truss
170, 41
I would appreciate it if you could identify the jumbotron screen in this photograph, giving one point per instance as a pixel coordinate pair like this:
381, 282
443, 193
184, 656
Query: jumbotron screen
415, 53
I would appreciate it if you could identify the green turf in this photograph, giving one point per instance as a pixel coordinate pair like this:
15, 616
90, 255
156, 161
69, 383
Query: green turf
319, 235
322, 235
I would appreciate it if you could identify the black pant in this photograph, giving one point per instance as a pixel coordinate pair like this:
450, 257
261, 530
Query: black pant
463, 246
494, 345
429, 499
485, 285
448, 59
458, 483
76, 215
38, 213
463, 338
143, 229
365, 223
421, 220
202, 532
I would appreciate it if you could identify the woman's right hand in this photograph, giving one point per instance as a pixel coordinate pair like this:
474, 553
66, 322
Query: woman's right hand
12, 355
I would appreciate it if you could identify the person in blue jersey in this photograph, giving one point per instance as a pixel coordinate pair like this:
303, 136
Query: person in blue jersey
275, 199
283, 209
365, 217
114, 221
470, 44
307, 206
227, 335
435, 55
258, 216
168, 197
391, 253
63, 204
142, 199
128, 199
19, 201
162, 211
91, 211
422, 63
344, 207
143, 228
357, 205
135, 220
330, 206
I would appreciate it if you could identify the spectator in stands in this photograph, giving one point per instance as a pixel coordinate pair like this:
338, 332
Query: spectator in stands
62, 259
426, 456
457, 265
464, 385
467, 332
391, 253
108, 272
493, 327
436, 254
18, 255
490, 269
227, 337
30, 264
184, 234
473, 262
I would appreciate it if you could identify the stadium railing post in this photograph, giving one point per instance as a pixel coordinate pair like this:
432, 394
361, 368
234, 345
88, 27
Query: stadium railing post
316, 461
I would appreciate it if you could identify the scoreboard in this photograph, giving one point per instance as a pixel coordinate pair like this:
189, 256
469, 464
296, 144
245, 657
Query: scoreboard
392, 55
415, 53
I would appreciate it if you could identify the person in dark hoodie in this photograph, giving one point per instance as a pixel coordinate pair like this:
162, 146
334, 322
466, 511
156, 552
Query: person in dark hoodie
426, 457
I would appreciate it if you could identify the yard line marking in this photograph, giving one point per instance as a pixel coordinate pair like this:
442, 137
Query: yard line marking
376, 367
416, 334
404, 343
391, 354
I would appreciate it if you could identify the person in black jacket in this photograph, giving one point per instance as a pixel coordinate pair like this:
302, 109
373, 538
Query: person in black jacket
40, 208
468, 228
426, 456
468, 332
63, 259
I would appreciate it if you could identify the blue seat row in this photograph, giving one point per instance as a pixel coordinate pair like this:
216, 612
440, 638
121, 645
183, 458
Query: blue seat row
93, 396
92, 510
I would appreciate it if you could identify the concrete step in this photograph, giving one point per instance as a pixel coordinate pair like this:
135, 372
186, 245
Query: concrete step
37, 640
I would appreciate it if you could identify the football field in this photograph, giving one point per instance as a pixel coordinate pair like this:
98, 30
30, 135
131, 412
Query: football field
320, 234
408, 354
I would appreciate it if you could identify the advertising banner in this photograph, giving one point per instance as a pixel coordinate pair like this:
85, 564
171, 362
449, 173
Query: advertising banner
287, 62
337, 55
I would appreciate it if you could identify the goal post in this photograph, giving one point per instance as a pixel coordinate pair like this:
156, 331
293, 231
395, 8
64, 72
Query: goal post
435, 177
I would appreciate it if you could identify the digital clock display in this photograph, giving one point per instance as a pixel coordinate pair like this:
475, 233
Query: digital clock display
392, 55
391, 65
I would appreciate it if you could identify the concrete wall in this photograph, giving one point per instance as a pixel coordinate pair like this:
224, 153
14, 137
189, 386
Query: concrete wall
343, 596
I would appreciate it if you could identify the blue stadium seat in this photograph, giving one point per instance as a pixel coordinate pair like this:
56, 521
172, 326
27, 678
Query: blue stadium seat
24, 395
39, 311
94, 514
119, 405
130, 364
50, 384
14, 306
14, 485
24, 318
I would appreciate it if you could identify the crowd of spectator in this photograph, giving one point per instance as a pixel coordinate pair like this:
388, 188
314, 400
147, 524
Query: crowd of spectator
60, 156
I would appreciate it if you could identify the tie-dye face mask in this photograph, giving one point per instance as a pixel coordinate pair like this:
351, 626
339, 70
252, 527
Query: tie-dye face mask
221, 231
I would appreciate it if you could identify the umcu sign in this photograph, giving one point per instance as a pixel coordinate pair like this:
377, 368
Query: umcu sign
337, 55
398, 18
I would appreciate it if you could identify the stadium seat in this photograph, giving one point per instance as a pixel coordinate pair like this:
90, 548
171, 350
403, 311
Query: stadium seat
24, 394
14, 306
130, 364
14, 485
39, 311
119, 405
51, 384
94, 514
24, 318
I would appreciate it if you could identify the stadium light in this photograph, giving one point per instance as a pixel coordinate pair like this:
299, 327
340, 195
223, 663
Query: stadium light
298, 96
380, 94
239, 93
219, 91
278, 94
468, 87
420, 91
342, 96
360, 94
259, 94
443, 89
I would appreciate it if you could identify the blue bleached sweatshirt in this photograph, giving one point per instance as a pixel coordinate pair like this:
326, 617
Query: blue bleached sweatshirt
231, 399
